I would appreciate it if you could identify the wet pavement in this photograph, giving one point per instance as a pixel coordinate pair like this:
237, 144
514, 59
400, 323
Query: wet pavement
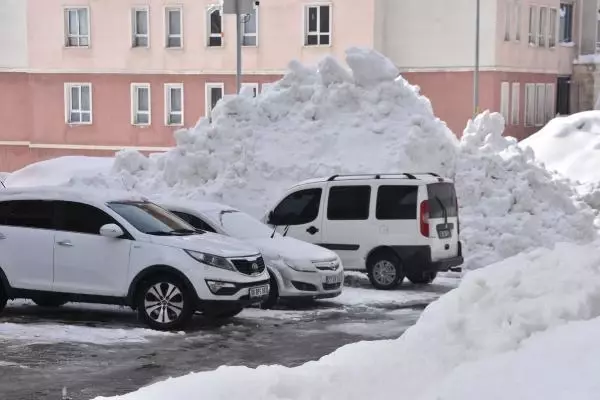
37, 368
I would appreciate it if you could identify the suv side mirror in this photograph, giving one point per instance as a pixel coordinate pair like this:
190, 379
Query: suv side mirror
113, 231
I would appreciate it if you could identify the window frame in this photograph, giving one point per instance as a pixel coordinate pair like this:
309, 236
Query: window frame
542, 29
540, 104
167, 25
255, 34
552, 23
331, 188
532, 24
209, 35
517, 10
515, 103
135, 86
134, 34
68, 86
68, 35
529, 116
305, 23
550, 101
208, 96
565, 35
505, 101
167, 98
254, 85
507, 20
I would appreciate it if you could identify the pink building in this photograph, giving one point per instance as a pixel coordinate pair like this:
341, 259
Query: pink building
92, 77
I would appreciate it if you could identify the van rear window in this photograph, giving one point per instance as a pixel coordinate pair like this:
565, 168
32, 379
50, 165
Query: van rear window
397, 202
442, 197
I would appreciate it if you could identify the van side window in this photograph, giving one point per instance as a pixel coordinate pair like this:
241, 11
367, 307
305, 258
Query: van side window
396, 202
81, 218
349, 203
27, 214
299, 207
194, 221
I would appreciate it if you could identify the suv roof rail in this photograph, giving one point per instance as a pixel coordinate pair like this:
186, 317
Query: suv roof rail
378, 176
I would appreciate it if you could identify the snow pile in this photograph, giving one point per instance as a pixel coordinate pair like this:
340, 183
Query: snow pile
502, 325
509, 203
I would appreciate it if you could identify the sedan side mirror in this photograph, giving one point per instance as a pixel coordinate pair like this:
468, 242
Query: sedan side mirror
113, 231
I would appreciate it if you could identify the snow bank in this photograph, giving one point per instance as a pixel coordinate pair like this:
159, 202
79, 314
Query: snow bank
510, 319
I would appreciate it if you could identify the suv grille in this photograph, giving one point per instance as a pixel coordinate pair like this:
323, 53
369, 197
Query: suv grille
249, 267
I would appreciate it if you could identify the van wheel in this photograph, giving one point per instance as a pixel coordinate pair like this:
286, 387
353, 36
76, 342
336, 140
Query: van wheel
223, 312
422, 278
50, 301
273, 298
385, 271
164, 303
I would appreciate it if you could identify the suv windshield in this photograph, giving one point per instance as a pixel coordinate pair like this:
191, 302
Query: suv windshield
241, 225
442, 198
151, 219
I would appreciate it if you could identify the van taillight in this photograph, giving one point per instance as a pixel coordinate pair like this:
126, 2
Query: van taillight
424, 218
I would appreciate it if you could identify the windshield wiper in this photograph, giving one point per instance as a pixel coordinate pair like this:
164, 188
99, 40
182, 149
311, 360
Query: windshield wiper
161, 233
444, 209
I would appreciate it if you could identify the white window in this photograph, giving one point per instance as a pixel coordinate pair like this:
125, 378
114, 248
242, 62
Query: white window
552, 32
174, 27
174, 104
317, 25
140, 104
215, 27
77, 25
517, 20
540, 104
140, 22
530, 104
213, 93
566, 23
78, 103
532, 25
251, 87
251, 29
550, 102
514, 103
504, 100
542, 27
507, 13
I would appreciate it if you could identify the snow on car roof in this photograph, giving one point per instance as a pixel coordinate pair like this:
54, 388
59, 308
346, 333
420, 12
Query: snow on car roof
86, 195
196, 205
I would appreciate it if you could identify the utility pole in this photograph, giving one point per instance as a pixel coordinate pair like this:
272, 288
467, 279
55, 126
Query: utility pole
476, 70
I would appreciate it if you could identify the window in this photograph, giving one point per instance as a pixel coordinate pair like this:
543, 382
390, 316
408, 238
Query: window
542, 27
174, 22
299, 207
348, 203
140, 27
553, 16
174, 104
151, 219
550, 102
532, 26
81, 218
442, 200
250, 37
214, 93
540, 104
517, 11
253, 87
515, 100
215, 27
507, 13
317, 25
504, 100
27, 214
529, 104
77, 24
140, 104
396, 202
566, 23
194, 221
78, 103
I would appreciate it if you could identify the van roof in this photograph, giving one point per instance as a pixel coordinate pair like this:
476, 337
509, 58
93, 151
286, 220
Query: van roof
414, 178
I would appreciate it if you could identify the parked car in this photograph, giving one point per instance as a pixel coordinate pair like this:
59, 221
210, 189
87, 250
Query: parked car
60, 245
389, 225
297, 269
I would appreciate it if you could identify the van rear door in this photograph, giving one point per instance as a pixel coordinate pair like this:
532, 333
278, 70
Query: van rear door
443, 220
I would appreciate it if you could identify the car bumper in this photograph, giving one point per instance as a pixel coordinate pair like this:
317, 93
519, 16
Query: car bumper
294, 284
417, 259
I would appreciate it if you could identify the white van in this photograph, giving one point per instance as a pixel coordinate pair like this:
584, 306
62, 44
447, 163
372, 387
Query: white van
390, 225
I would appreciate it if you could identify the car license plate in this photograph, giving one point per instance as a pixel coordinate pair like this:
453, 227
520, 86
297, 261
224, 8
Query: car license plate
444, 234
331, 279
259, 291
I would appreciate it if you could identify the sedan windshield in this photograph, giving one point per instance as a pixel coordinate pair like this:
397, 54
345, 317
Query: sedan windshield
151, 219
241, 225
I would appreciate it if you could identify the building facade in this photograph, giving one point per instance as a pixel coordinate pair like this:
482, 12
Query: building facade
92, 77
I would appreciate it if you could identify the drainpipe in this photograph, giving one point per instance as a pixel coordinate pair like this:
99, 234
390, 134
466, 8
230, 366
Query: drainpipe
476, 70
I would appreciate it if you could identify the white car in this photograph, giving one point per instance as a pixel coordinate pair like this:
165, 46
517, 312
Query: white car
59, 245
389, 225
298, 269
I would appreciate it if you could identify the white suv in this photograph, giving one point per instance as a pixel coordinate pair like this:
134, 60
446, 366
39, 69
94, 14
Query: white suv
61, 245
297, 269
389, 225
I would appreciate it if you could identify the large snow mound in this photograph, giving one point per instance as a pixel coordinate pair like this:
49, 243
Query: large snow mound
495, 337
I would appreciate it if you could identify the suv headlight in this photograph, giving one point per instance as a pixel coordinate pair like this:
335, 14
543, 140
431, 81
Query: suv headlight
212, 260
298, 266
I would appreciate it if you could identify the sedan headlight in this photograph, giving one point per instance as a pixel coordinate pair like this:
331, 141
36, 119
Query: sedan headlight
213, 261
298, 266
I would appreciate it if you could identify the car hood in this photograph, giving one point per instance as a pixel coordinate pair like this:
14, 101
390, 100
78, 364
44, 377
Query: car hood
211, 243
291, 248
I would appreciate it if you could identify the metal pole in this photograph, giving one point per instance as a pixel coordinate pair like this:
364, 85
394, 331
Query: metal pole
476, 72
238, 72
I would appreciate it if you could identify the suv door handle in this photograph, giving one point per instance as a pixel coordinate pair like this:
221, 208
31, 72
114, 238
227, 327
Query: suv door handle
312, 230
66, 243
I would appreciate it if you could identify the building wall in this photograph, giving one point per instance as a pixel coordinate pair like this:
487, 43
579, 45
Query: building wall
13, 34
589, 26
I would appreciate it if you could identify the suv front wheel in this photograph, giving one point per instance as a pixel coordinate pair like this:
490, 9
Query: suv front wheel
164, 303
385, 271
